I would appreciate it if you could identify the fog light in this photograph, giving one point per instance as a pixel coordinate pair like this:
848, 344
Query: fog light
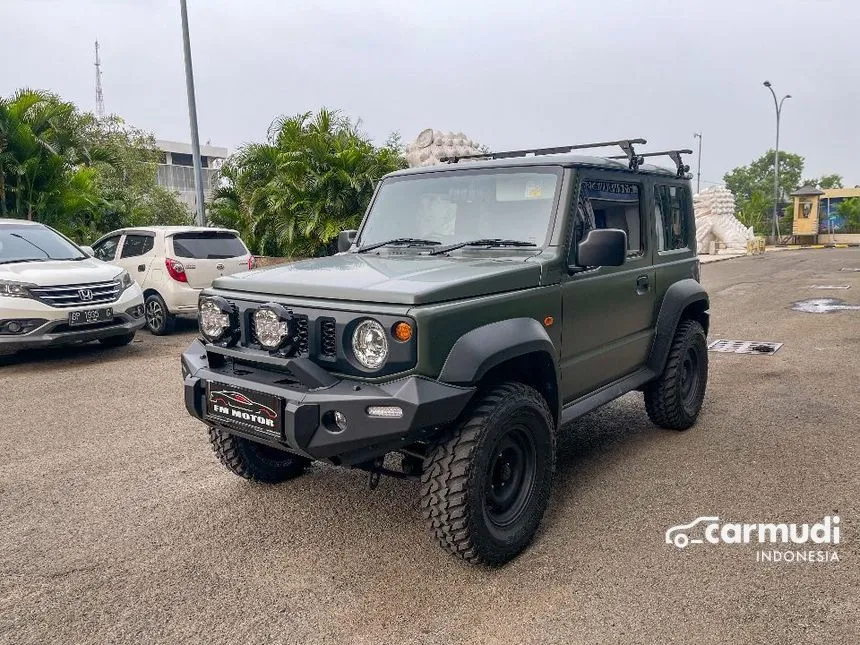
340, 420
14, 327
385, 411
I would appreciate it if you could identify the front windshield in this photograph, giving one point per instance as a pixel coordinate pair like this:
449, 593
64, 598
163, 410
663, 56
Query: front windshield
452, 207
26, 242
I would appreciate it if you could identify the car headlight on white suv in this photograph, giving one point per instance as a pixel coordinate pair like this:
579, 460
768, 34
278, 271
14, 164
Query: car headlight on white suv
12, 289
369, 344
124, 280
218, 320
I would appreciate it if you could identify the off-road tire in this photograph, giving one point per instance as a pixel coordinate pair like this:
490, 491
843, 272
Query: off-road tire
117, 341
159, 324
457, 473
255, 461
669, 403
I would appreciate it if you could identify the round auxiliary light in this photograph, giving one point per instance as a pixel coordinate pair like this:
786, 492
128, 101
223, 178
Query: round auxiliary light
217, 319
273, 326
369, 344
402, 331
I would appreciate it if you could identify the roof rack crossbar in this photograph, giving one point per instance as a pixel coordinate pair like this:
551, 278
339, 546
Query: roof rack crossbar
674, 155
625, 144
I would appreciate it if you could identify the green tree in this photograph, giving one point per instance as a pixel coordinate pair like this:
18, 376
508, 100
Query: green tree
826, 182
312, 178
849, 210
82, 175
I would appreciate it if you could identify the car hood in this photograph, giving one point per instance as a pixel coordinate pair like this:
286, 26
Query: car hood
58, 272
400, 279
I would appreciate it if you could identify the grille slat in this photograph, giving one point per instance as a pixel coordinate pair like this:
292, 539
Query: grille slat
69, 295
328, 337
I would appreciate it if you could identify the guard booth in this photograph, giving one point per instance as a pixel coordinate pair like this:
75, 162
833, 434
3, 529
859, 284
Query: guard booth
807, 202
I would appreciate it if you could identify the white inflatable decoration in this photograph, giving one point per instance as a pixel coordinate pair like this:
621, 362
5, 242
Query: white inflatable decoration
433, 145
714, 208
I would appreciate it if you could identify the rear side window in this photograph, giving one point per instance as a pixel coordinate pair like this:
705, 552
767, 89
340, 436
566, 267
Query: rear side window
203, 245
671, 210
137, 245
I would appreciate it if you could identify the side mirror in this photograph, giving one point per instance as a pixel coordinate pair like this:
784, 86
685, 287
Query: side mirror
602, 247
345, 240
89, 251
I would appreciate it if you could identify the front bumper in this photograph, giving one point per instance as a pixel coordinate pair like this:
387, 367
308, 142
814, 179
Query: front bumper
55, 331
427, 404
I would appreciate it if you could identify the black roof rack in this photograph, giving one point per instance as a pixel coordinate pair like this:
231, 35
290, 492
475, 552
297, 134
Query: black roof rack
625, 144
675, 155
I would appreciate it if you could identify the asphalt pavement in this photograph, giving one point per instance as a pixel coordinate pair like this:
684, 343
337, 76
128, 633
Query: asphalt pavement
118, 525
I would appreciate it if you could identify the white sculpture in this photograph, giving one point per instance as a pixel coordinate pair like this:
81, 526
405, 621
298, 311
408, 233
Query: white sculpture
432, 145
714, 208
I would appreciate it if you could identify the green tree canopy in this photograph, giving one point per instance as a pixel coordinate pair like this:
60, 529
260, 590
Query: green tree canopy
82, 175
312, 178
825, 182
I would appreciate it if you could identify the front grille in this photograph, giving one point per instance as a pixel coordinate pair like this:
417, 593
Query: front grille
73, 295
328, 337
302, 332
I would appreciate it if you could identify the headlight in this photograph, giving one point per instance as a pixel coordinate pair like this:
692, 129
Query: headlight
369, 344
274, 327
13, 289
124, 280
218, 320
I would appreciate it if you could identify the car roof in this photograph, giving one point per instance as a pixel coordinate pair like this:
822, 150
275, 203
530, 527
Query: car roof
170, 230
18, 222
565, 160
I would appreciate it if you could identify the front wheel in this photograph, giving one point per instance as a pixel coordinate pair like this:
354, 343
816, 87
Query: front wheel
673, 401
158, 319
255, 461
485, 489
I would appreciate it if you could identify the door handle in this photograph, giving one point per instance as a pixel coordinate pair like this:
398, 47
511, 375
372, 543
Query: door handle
141, 267
642, 285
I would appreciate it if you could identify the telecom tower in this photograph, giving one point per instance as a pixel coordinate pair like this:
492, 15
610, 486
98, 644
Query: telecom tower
100, 99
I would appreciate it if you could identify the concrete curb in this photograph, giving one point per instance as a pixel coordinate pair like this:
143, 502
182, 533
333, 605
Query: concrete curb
710, 259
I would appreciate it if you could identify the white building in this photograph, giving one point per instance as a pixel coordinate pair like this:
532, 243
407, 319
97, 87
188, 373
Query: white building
176, 169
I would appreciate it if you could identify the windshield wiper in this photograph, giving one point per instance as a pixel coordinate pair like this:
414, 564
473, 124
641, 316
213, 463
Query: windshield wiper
397, 240
23, 260
489, 242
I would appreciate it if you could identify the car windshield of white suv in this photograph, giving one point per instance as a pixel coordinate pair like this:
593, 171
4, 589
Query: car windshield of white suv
206, 245
492, 208
28, 243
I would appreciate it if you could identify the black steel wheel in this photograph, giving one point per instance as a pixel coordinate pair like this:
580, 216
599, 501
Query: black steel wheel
674, 400
485, 488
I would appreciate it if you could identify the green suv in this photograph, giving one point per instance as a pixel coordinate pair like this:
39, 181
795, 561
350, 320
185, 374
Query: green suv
482, 305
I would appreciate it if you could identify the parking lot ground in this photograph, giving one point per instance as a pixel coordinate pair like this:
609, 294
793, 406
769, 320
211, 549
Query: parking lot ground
117, 524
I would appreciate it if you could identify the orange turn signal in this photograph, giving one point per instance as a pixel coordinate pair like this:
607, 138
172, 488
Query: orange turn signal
402, 331
548, 321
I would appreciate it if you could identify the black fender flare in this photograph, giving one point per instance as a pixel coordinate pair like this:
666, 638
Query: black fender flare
478, 351
678, 297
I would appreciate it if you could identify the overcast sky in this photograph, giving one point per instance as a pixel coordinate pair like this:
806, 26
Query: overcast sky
507, 73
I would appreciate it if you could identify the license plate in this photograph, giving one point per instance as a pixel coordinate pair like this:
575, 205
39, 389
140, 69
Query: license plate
244, 409
90, 317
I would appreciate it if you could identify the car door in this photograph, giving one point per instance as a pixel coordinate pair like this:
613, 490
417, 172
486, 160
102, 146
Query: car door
608, 312
106, 248
137, 254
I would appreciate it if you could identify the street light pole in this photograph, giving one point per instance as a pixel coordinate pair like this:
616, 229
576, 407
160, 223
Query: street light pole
778, 105
698, 135
192, 116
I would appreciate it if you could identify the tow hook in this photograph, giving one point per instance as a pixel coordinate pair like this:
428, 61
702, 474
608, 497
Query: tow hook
375, 473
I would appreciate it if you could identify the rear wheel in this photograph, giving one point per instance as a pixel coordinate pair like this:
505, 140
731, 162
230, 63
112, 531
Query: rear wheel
673, 401
117, 341
255, 461
485, 489
158, 319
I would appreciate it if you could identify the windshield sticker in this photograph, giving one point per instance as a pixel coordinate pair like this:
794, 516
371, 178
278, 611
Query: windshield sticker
610, 190
533, 190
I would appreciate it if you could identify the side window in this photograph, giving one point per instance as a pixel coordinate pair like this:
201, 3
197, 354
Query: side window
671, 210
135, 245
106, 249
611, 204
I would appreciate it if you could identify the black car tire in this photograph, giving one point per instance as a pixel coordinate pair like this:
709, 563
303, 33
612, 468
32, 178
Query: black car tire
255, 461
117, 341
158, 319
506, 439
674, 400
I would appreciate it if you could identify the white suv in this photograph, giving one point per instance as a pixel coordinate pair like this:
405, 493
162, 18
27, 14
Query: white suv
172, 264
52, 293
